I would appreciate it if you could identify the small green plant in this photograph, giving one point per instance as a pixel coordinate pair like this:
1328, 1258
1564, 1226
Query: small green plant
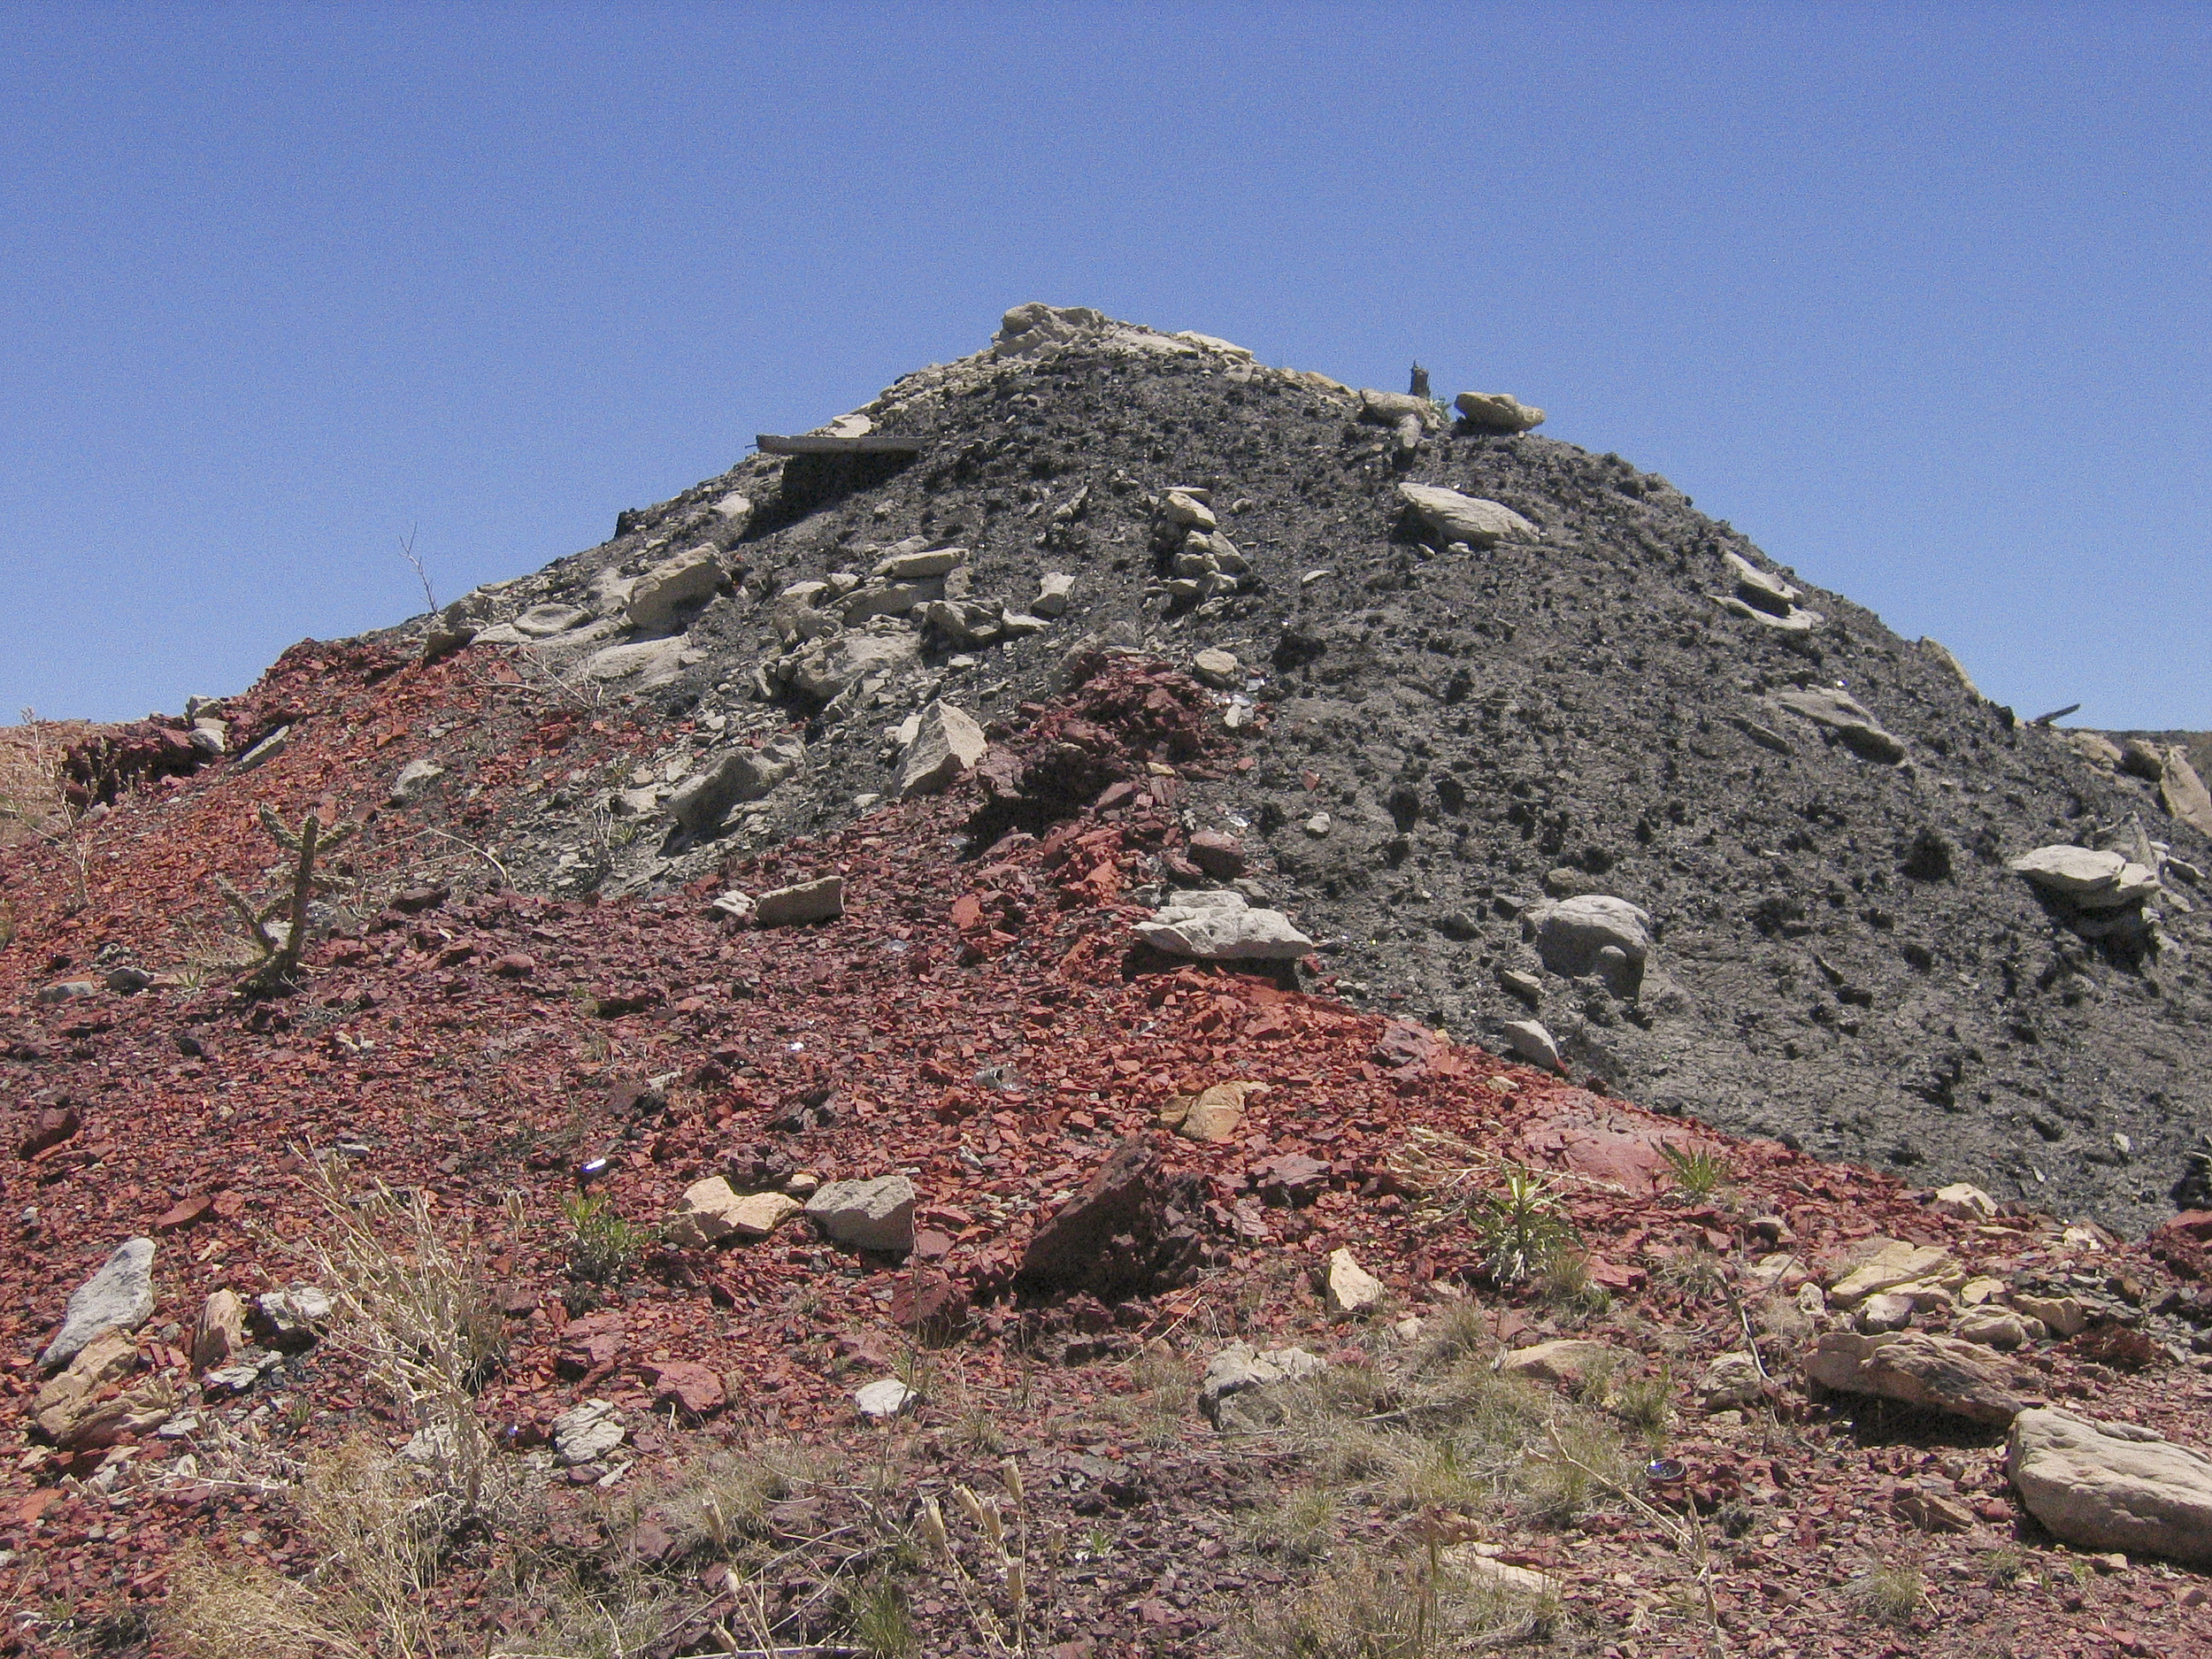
1521, 1227
1889, 1595
880, 1624
1693, 1275
602, 1248
1697, 1175
2005, 1567
1646, 1405
1294, 1526
1569, 1287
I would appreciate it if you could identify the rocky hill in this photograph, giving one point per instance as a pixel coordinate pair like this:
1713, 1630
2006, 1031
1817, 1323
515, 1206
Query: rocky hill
869, 1069
1450, 727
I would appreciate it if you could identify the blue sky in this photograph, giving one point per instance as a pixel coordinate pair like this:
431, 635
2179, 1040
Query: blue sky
1917, 297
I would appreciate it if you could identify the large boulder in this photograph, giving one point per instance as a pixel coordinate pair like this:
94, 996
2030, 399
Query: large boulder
1571, 934
662, 595
2112, 1485
947, 742
875, 1214
1939, 1373
119, 1297
1237, 1392
2085, 878
1852, 723
1222, 927
821, 900
1497, 411
2182, 792
1131, 1230
1469, 519
827, 666
702, 800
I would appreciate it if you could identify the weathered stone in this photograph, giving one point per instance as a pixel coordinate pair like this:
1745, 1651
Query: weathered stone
1476, 1561
1565, 1359
1532, 1042
415, 781
1233, 1395
2071, 871
1932, 1509
694, 1390
892, 599
2112, 1485
1221, 926
1131, 1231
757, 1215
1349, 1288
2142, 760
61, 1403
53, 1125
886, 1397
1963, 1201
585, 1433
1469, 519
827, 666
220, 1335
1387, 408
293, 1316
1212, 1114
1995, 1327
1939, 1372
2182, 792
1052, 594
704, 799
1571, 934
873, 1215
947, 742
76, 1411
1183, 507
917, 563
1219, 855
1761, 589
1883, 1311
267, 749
1497, 411
818, 900
118, 1296
1730, 1383
1854, 725
702, 1216
661, 594
1216, 668
2064, 1316
1883, 1263
649, 662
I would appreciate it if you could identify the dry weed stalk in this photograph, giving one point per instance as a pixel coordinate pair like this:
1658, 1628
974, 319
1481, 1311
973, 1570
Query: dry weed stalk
44, 807
412, 1308
1007, 1549
381, 1536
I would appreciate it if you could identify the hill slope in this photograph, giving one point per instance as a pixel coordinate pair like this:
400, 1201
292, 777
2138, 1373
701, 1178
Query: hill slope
1841, 957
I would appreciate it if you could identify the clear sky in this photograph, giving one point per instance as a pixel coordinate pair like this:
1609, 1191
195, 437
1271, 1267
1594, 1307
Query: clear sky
1917, 295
